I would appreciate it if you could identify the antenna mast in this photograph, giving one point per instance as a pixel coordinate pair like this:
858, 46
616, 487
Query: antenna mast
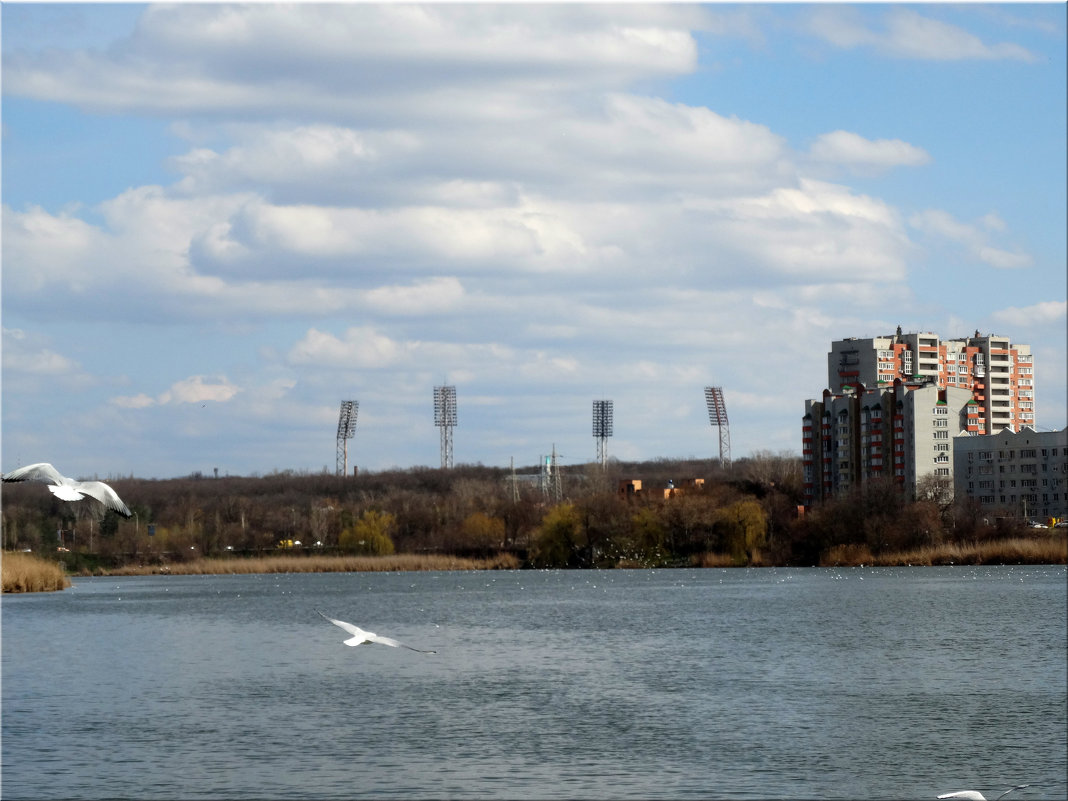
717, 416
445, 419
346, 430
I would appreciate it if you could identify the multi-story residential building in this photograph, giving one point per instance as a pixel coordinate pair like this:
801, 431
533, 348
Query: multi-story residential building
904, 432
1021, 474
999, 374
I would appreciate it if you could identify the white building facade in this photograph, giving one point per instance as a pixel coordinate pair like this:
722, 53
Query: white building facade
1021, 475
903, 433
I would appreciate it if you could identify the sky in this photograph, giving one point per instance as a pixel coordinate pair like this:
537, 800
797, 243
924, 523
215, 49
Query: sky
221, 221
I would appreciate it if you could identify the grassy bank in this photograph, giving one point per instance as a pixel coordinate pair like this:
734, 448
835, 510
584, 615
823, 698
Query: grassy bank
315, 564
24, 572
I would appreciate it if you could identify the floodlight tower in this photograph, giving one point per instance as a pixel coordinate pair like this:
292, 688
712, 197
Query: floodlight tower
346, 430
445, 419
717, 416
602, 428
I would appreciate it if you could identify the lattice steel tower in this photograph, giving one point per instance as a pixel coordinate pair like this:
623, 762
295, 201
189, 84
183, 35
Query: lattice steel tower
717, 416
550, 477
602, 428
445, 419
346, 430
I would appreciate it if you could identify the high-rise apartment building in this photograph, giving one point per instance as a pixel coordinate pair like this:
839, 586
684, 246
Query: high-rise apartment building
903, 433
999, 374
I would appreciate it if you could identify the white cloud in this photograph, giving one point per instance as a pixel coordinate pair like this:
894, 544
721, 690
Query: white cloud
865, 155
360, 347
1045, 313
380, 59
973, 238
913, 35
27, 353
195, 389
424, 297
908, 34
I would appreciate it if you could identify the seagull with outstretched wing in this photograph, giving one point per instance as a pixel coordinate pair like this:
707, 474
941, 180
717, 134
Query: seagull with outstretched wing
359, 636
69, 489
975, 795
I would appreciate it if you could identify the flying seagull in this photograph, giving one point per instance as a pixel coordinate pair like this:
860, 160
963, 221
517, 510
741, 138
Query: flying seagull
975, 795
359, 636
67, 489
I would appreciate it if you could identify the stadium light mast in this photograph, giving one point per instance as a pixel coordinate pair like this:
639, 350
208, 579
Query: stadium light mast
346, 430
717, 416
445, 419
602, 428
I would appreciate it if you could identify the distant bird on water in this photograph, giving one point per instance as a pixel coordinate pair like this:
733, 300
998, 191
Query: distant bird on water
975, 795
359, 636
67, 489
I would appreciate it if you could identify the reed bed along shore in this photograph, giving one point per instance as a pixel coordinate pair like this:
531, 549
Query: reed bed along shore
1012, 551
315, 564
24, 572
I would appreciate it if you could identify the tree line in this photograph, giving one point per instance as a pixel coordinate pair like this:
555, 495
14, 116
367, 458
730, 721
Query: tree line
749, 514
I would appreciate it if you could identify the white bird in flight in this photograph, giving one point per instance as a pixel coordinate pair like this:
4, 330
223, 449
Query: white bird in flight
68, 489
975, 795
359, 636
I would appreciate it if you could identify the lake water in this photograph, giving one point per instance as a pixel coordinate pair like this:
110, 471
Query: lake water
774, 683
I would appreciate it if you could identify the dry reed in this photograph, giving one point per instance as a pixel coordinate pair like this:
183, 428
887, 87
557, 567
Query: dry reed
710, 559
1011, 551
24, 572
319, 564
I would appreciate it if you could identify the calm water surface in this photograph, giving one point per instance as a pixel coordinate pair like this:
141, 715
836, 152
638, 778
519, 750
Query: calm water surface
774, 683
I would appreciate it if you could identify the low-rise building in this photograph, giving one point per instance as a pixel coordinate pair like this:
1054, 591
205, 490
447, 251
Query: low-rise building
1021, 475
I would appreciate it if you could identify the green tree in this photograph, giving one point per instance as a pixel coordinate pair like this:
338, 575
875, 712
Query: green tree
482, 531
370, 534
649, 536
556, 542
745, 529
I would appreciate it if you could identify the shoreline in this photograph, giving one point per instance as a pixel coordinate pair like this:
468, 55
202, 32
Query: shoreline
31, 573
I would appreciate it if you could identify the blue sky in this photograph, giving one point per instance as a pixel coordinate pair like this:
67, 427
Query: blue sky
220, 221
